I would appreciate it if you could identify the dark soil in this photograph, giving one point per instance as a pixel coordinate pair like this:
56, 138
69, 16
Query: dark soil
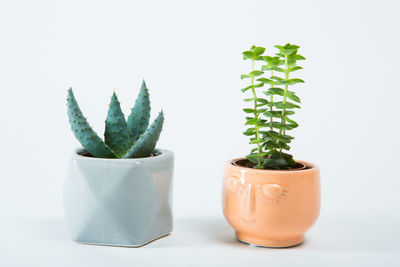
248, 164
87, 154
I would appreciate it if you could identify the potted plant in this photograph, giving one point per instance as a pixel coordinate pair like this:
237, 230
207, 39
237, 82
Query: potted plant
118, 191
269, 198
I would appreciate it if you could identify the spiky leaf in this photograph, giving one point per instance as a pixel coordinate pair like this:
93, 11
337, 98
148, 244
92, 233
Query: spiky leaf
83, 132
138, 120
116, 134
147, 142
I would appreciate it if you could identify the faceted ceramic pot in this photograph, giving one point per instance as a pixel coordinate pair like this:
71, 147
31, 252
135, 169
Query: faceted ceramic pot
119, 202
272, 208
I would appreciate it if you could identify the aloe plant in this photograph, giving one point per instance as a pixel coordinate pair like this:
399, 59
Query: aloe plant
132, 138
268, 120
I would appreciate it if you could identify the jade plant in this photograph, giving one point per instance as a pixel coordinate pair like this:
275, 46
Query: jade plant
269, 118
131, 138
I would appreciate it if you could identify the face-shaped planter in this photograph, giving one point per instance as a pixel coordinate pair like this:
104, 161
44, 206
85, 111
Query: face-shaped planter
119, 202
272, 208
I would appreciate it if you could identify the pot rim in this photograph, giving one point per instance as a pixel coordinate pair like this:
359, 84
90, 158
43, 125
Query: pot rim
312, 167
163, 153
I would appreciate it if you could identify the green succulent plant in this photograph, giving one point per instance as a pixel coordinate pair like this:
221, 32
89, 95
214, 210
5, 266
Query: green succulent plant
268, 120
132, 138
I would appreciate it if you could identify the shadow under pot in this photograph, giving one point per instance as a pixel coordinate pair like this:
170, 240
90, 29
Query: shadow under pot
119, 202
271, 208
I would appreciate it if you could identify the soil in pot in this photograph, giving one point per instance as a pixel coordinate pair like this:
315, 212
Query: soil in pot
87, 154
248, 164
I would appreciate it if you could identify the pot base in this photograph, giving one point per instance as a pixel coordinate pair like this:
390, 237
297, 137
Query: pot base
272, 243
128, 245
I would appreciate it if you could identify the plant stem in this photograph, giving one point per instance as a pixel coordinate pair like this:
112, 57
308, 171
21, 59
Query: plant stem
256, 117
271, 100
284, 98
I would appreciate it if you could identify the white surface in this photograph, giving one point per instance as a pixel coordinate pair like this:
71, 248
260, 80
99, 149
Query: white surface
189, 54
337, 240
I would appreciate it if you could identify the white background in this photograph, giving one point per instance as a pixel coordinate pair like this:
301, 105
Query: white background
189, 52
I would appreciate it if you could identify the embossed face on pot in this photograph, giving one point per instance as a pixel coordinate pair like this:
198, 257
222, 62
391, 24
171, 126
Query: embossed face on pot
272, 192
233, 185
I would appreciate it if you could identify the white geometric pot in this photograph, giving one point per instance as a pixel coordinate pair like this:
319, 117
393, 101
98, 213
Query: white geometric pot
119, 202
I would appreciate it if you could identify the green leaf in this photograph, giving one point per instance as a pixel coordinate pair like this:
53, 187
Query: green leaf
271, 144
254, 53
294, 68
288, 158
254, 121
294, 81
265, 80
254, 73
274, 114
279, 47
116, 134
287, 49
283, 145
292, 122
253, 160
272, 133
288, 105
272, 62
250, 86
277, 69
298, 57
265, 67
278, 80
250, 131
282, 138
88, 138
274, 163
260, 100
256, 140
274, 91
293, 96
250, 110
257, 50
261, 104
138, 119
248, 55
280, 126
146, 143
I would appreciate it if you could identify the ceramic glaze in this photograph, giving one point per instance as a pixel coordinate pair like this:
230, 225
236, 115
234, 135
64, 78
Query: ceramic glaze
271, 208
119, 202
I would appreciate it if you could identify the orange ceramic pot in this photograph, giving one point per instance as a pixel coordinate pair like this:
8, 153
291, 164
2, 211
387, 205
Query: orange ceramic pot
272, 208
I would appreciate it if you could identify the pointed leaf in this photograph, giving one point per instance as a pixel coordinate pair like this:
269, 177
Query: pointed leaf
147, 142
83, 132
265, 80
116, 134
258, 50
260, 100
248, 55
286, 105
251, 86
294, 81
274, 91
138, 120
293, 96
294, 68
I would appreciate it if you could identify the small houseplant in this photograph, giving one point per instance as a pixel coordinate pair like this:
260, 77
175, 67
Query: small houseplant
270, 198
118, 191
